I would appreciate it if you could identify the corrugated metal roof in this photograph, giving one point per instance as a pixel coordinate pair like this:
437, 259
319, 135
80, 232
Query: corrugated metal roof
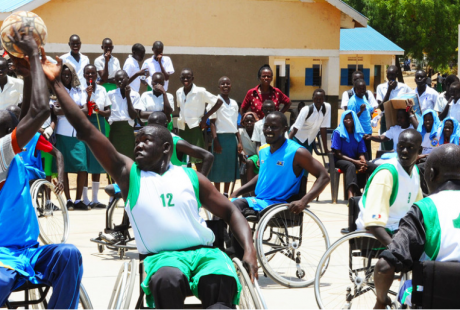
11, 5
366, 39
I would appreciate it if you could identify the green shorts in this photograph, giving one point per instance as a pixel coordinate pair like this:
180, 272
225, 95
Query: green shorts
255, 159
194, 265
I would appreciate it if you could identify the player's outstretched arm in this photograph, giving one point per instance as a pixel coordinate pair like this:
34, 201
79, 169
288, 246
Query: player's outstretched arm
117, 165
194, 151
220, 206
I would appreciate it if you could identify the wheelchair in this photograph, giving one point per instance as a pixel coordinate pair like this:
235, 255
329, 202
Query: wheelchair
348, 281
250, 298
53, 222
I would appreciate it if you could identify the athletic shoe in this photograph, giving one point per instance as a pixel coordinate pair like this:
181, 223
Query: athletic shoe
345, 231
70, 205
97, 205
50, 205
110, 238
82, 206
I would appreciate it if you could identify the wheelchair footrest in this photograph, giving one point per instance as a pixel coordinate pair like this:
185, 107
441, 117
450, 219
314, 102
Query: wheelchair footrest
126, 246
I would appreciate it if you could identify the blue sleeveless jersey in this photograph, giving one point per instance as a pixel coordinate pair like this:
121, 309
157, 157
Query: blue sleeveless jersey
32, 161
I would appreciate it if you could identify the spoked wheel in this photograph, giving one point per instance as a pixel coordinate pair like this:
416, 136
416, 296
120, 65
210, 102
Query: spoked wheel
348, 282
290, 246
124, 285
85, 302
51, 211
249, 297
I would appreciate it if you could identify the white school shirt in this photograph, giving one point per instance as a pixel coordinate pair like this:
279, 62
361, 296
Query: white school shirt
400, 89
428, 145
114, 65
258, 133
79, 66
394, 132
454, 110
151, 103
63, 126
154, 66
192, 106
345, 99
226, 117
307, 129
120, 106
11, 93
131, 67
441, 103
99, 96
249, 146
428, 99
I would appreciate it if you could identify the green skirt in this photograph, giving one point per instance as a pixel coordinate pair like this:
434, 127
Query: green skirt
225, 167
94, 166
195, 137
122, 137
74, 153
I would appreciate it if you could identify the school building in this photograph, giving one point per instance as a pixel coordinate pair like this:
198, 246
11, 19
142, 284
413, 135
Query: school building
300, 39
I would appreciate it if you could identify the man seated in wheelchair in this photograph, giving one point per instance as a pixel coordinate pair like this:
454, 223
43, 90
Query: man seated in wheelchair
162, 202
392, 189
282, 162
21, 258
431, 228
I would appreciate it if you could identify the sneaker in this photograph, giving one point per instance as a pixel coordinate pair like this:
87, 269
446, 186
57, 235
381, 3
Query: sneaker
82, 206
110, 238
70, 205
97, 205
345, 231
50, 205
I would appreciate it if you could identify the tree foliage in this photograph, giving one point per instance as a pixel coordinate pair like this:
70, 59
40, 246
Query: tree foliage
417, 26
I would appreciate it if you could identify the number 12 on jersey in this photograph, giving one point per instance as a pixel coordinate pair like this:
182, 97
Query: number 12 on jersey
169, 198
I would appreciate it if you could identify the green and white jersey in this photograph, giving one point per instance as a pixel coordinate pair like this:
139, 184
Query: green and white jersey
164, 210
404, 192
441, 216
174, 159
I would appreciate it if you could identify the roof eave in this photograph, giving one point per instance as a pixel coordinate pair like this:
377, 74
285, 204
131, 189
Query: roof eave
371, 52
359, 19
27, 7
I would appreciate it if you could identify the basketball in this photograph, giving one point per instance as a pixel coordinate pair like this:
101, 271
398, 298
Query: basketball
22, 20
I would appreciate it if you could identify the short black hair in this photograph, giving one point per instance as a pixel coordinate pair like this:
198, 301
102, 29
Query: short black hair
158, 73
454, 84
318, 90
157, 118
268, 101
107, 39
393, 67
87, 66
138, 48
3, 60
421, 71
187, 69
359, 81
281, 116
412, 133
450, 79
158, 44
74, 35
158, 131
356, 72
121, 72
264, 67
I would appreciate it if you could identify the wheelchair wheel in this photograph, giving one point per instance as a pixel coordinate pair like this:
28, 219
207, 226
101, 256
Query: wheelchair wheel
51, 211
124, 285
85, 302
115, 214
348, 281
289, 246
249, 297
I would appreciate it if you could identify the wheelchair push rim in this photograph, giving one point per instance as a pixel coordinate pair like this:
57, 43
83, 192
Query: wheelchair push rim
249, 297
124, 285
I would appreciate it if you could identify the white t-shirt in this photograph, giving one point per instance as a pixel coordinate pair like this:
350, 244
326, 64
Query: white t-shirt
226, 117
249, 146
63, 126
151, 103
99, 96
454, 110
120, 106
8, 149
345, 99
428, 145
394, 132
258, 133
114, 65
192, 106
131, 67
308, 128
79, 66
154, 66
428, 99
11, 93
441, 103
400, 89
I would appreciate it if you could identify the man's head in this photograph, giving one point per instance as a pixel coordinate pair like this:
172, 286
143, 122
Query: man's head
225, 85
15, 110
186, 77
402, 118
158, 118
107, 45
420, 78
357, 75
8, 121
3, 68
454, 90
449, 80
121, 79
442, 165
90, 74
275, 127
392, 73
157, 48
409, 147
268, 107
360, 88
158, 78
319, 95
138, 51
153, 148
74, 43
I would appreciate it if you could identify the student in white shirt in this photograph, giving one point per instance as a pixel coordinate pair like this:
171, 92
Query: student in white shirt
77, 59
131, 66
10, 88
158, 63
452, 108
427, 96
357, 75
97, 107
249, 147
387, 91
107, 65
192, 100
444, 97
122, 115
156, 100
226, 144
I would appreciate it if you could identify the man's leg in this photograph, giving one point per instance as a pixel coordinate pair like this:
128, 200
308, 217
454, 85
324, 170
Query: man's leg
60, 265
349, 173
217, 291
243, 206
169, 287
7, 280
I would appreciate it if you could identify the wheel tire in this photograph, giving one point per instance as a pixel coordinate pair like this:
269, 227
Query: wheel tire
249, 299
100, 248
124, 285
85, 302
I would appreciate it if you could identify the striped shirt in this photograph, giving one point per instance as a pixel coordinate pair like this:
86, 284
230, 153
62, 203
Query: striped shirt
8, 149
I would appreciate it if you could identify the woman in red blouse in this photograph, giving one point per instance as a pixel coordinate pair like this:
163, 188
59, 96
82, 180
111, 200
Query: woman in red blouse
264, 91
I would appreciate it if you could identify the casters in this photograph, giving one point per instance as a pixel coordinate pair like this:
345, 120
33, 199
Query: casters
300, 273
100, 248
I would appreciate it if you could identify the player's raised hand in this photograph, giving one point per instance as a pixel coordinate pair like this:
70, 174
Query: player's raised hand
52, 71
24, 41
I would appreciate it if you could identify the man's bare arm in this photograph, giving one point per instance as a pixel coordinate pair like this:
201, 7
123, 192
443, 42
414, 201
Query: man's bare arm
183, 147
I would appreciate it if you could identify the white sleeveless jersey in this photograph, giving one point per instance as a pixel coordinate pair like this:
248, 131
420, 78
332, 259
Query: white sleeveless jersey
441, 216
404, 193
164, 210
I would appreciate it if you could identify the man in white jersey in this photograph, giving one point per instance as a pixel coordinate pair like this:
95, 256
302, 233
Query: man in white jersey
431, 228
392, 189
162, 202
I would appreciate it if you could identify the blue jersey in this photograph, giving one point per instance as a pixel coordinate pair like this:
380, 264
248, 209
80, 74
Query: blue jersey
32, 161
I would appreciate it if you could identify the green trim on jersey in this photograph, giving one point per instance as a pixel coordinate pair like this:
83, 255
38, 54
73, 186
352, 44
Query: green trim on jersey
134, 185
394, 190
174, 159
432, 227
196, 184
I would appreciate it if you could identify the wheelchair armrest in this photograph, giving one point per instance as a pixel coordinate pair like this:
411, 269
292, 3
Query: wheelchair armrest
111, 191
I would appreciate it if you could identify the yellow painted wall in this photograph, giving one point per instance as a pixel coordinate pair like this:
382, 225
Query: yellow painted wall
197, 23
